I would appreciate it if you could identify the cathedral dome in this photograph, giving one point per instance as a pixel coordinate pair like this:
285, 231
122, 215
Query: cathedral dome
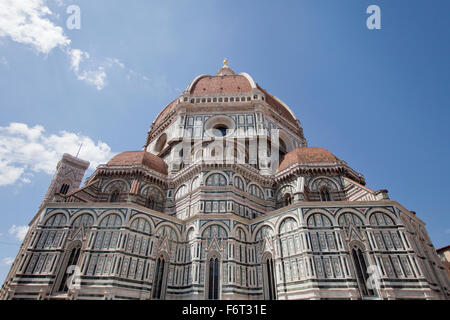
145, 158
237, 87
306, 155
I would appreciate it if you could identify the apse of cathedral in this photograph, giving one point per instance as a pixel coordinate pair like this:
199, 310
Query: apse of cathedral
226, 200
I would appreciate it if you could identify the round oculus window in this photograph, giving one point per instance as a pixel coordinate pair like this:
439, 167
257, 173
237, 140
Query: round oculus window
220, 126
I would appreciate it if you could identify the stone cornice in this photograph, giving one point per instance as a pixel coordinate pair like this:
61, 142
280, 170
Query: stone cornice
339, 167
129, 170
297, 205
337, 204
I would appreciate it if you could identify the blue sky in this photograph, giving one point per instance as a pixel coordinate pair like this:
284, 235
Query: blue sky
378, 99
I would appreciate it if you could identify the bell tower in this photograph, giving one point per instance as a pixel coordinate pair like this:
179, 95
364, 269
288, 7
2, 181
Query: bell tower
68, 176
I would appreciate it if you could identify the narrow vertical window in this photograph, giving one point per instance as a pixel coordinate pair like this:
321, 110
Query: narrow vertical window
150, 203
287, 199
73, 259
159, 275
361, 272
269, 292
114, 196
64, 188
325, 195
216, 279
213, 283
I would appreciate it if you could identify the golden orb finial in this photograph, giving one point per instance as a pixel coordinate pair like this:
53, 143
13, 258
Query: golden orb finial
225, 62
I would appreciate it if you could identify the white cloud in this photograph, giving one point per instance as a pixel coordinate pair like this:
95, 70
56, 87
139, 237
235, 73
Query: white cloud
93, 77
96, 78
76, 56
9, 174
26, 150
8, 261
115, 61
18, 231
26, 22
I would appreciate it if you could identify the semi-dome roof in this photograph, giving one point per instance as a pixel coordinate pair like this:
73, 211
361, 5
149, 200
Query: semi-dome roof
307, 155
145, 158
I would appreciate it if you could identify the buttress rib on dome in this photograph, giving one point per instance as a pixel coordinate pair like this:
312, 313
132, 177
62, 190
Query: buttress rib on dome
307, 155
145, 158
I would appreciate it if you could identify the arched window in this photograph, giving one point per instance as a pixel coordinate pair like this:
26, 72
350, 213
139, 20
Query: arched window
269, 279
72, 260
159, 277
325, 195
141, 225
238, 183
64, 188
154, 198
287, 225
381, 219
195, 183
57, 220
181, 192
213, 277
323, 183
166, 231
118, 185
318, 220
216, 179
111, 221
361, 271
215, 231
114, 197
241, 235
256, 191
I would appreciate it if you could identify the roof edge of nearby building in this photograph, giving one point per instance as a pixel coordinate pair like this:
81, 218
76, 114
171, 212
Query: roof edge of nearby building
443, 248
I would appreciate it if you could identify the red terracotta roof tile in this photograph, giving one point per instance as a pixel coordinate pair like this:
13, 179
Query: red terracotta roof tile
139, 157
305, 155
277, 106
221, 84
